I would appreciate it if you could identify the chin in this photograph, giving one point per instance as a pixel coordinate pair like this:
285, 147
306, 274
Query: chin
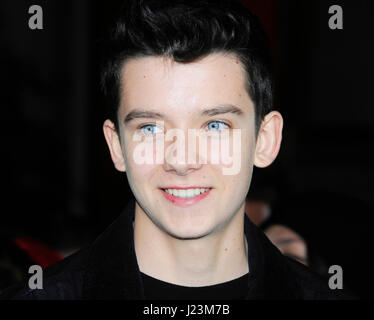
188, 233
188, 236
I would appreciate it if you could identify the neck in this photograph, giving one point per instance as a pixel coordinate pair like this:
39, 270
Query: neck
215, 258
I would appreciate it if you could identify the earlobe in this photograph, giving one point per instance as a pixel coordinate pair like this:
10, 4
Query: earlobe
269, 139
114, 144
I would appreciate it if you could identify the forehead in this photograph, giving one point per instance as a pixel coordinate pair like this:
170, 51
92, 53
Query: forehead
160, 82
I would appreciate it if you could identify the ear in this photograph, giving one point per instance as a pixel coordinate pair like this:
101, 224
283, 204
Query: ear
114, 144
268, 139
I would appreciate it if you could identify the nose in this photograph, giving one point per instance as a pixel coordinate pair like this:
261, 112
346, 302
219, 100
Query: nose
181, 157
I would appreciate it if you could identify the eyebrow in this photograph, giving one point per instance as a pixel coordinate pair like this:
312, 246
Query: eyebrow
210, 112
140, 114
226, 108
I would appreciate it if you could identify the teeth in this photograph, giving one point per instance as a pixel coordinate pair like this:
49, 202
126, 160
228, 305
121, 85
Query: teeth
186, 193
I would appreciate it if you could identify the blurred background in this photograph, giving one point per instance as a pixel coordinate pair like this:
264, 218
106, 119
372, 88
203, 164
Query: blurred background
60, 189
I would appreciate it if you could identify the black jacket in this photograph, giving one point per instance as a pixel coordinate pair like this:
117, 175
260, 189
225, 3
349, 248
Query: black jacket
108, 269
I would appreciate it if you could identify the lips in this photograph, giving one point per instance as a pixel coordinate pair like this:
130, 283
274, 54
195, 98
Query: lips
183, 188
185, 196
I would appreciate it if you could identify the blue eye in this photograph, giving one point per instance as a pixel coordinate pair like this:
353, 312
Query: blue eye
217, 125
149, 129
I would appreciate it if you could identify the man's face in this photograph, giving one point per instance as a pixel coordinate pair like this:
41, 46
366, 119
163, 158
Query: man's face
179, 93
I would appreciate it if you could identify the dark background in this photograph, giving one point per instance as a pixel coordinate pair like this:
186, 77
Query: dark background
58, 181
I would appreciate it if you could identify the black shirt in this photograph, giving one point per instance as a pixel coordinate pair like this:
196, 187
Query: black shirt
155, 289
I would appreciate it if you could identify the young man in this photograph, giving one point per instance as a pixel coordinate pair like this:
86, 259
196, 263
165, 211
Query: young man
182, 71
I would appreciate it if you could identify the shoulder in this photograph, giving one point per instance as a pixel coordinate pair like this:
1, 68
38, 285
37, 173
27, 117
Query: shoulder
61, 281
313, 286
286, 278
91, 273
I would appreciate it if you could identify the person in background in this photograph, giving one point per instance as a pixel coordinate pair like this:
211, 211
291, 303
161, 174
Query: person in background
288, 242
259, 209
284, 238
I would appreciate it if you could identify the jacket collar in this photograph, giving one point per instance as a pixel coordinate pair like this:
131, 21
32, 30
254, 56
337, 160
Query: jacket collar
112, 271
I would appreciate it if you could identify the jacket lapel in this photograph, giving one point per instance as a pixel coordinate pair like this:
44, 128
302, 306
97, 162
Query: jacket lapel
112, 270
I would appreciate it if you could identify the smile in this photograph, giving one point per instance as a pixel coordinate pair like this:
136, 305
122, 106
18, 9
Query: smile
185, 196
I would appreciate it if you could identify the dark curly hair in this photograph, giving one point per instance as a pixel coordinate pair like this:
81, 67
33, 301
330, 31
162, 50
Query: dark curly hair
187, 30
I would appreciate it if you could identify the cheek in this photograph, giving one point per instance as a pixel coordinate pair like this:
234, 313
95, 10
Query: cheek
140, 171
237, 153
141, 179
140, 151
137, 168
248, 148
